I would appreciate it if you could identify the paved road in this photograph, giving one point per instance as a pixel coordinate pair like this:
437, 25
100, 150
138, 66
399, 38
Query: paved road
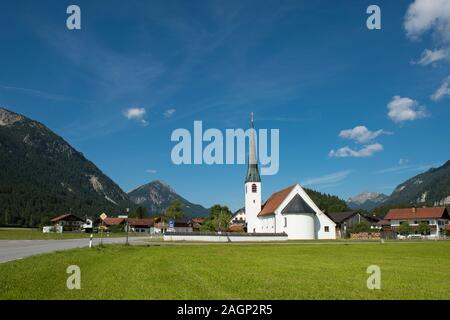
18, 249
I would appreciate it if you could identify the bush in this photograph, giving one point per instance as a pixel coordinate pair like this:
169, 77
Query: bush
424, 228
405, 229
360, 227
116, 228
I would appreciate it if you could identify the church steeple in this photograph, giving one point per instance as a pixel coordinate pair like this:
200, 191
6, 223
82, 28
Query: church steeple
252, 169
252, 185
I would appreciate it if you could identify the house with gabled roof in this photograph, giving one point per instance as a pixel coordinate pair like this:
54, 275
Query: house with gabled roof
290, 211
437, 219
68, 222
345, 221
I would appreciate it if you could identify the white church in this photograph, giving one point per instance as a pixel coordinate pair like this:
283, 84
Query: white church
289, 211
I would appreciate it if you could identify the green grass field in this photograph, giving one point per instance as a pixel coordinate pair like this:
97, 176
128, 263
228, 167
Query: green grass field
409, 271
36, 234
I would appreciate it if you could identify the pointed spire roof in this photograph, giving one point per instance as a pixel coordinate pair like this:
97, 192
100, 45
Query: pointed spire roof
252, 170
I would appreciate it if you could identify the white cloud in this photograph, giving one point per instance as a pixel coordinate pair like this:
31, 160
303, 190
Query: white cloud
431, 57
405, 109
136, 114
428, 15
366, 151
169, 113
151, 171
443, 91
403, 161
360, 134
406, 168
331, 178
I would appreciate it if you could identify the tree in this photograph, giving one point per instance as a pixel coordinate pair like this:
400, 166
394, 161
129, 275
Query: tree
424, 228
139, 213
404, 229
219, 217
175, 210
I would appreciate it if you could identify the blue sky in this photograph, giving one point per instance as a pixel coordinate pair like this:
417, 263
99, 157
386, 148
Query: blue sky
311, 69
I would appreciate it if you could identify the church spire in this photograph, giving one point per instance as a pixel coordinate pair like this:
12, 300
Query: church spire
252, 170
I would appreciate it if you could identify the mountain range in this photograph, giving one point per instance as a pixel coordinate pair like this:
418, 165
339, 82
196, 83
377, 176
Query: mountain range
431, 188
367, 200
156, 196
43, 176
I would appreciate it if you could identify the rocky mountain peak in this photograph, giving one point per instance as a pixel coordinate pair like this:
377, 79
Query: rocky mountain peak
157, 195
8, 118
366, 200
364, 196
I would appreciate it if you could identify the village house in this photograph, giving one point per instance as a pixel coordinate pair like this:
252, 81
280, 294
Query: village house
345, 221
238, 218
197, 223
161, 225
110, 222
145, 225
436, 218
67, 222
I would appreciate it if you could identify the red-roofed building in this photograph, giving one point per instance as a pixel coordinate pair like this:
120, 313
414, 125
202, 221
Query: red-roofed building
236, 228
197, 223
141, 225
109, 222
437, 218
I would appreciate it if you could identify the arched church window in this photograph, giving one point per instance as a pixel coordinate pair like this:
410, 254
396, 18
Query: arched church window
254, 188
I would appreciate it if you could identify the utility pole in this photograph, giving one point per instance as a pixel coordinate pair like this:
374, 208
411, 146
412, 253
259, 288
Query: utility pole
127, 225
101, 235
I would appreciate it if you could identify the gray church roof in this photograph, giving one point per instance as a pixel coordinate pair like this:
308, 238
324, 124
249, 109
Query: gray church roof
252, 174
297, 205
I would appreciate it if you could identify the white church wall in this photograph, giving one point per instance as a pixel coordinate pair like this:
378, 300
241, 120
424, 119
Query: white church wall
266, 224
323, 221
300, 226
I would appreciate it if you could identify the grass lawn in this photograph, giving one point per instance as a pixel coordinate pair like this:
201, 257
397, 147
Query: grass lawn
36, 234
409, 271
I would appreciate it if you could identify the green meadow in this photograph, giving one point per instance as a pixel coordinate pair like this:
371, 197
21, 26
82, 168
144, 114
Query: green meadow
408, 271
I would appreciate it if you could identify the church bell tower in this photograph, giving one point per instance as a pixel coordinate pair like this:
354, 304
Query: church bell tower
252, 185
